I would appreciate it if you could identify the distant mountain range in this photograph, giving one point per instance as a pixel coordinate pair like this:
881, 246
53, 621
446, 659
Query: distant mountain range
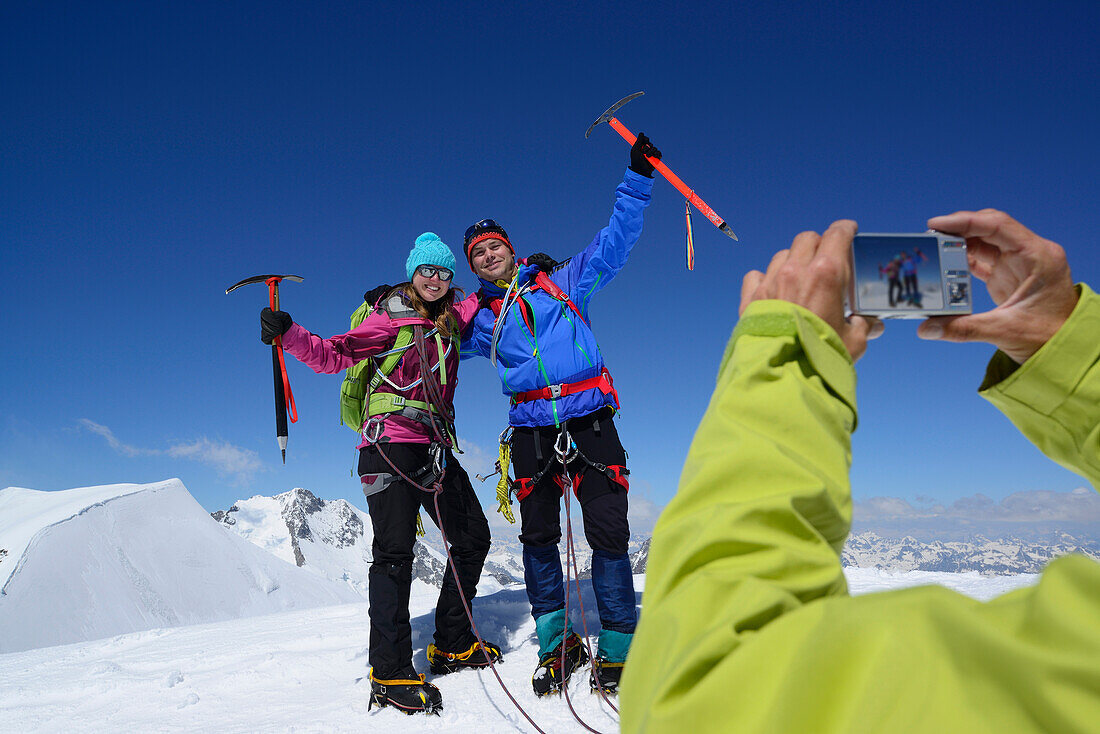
333, 539
987, 556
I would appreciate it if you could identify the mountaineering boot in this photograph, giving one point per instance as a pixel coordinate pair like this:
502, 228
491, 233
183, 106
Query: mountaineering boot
407, 692
611, 654
605, 675
550, 676
475, 657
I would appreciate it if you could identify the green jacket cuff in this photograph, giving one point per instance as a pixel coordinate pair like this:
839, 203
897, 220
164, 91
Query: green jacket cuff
1053, 372
824, 350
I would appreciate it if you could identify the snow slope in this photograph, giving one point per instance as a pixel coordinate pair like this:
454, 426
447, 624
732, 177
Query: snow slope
135, 557
303, 671
99, 561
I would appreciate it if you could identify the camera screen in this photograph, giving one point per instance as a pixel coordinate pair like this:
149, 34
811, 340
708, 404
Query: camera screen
898, 273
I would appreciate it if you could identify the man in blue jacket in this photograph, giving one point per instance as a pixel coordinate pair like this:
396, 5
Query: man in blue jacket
535, 329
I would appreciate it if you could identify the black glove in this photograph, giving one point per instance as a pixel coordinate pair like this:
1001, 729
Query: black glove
545, 262
375, 293
273, 324
638, 152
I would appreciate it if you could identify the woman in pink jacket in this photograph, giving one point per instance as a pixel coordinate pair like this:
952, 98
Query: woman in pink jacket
406, 444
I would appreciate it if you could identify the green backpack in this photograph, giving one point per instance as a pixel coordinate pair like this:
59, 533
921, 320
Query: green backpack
365, 376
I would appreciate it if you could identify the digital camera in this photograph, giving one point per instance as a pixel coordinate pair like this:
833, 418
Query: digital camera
909, 276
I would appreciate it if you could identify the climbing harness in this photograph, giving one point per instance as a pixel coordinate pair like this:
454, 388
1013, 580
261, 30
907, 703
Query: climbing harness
616, 473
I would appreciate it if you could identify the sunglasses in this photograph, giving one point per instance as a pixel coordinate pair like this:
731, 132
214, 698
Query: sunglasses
485, 225
429, 270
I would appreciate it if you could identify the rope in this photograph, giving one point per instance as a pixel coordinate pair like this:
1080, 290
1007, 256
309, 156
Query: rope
504, 487
432, 389
562, 449
502, 316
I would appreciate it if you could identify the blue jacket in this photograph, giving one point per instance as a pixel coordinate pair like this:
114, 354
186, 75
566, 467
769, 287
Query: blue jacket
558, 347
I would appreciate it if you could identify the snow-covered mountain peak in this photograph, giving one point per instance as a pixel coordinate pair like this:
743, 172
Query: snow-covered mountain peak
25, 512
334, 522
284, 523
99, 561
333, 538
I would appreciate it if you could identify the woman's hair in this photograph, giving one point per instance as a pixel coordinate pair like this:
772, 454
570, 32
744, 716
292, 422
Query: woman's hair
438, 311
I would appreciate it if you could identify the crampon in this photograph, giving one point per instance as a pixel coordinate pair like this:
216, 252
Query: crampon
408, 693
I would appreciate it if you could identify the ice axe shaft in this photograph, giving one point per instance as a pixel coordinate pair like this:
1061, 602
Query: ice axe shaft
664, 170
283, 395
676, 181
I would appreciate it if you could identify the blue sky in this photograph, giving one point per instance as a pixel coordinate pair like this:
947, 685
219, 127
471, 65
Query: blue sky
155, 153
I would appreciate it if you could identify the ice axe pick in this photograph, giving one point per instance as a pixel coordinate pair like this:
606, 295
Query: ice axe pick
629, 137
284, 398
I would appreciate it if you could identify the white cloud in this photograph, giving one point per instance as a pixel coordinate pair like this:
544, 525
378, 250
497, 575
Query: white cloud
1079, 505
476, 459
643, 511
225, 458
113, 442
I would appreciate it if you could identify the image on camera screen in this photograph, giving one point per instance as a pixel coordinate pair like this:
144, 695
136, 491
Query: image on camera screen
898, 273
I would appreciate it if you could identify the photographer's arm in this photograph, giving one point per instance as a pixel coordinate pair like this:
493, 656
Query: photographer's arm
1045, 375
1054, 397
746, 623
764, 505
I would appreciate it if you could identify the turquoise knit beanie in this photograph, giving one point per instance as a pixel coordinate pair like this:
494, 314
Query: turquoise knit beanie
429, 250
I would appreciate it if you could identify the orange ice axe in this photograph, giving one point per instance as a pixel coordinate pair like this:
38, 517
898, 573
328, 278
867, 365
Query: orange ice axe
609, 118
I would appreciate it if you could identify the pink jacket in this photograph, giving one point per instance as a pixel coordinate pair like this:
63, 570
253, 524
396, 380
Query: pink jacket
376, 334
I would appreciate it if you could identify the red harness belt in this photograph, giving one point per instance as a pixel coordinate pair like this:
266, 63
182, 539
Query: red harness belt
552, 392
616, 473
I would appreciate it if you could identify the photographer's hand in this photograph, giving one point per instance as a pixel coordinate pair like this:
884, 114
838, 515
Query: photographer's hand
1027, 277
815, 274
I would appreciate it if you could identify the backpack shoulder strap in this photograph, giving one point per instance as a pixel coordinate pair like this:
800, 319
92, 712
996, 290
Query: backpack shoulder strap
393, 356
542, 280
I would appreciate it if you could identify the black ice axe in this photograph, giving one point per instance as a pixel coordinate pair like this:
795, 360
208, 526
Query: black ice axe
284, 398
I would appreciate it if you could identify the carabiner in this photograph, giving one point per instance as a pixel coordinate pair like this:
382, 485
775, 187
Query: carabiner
372, 432
563, 443
435, 451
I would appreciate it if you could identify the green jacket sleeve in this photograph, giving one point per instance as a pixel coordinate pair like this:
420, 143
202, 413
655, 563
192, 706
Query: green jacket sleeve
1053, 398
746, 622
